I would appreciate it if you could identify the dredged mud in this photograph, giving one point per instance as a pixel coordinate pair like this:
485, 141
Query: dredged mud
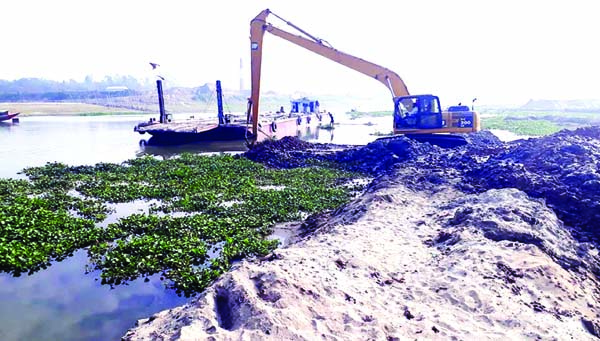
562, 168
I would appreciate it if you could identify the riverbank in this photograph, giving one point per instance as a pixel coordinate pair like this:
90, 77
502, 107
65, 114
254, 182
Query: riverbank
488, 242
65, 109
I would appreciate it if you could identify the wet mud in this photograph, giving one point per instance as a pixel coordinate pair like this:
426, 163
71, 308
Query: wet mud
562, 169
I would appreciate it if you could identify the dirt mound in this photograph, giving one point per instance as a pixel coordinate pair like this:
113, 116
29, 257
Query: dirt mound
591, 132
380, 156
376, 158
397, 264
510, 215
483, 138
563, 169
285, 144
289, 152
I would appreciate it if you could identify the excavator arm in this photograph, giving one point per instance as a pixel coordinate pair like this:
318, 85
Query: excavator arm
427, 119
258, 27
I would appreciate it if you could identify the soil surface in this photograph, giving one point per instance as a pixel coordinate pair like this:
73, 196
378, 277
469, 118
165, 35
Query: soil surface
489, 240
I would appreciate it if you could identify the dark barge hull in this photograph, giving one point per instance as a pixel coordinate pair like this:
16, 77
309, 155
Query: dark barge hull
191, 132
216, 133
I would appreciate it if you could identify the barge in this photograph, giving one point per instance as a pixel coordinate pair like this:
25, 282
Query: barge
302, 121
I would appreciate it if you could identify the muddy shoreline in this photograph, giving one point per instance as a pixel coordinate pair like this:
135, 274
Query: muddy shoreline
490, 240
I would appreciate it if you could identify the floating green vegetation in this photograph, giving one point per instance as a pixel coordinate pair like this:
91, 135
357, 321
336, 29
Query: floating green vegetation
379, 133
358, 114
530, 127
37, 228
230, 205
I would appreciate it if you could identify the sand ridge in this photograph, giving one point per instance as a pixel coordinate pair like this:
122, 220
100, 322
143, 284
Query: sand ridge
398, 264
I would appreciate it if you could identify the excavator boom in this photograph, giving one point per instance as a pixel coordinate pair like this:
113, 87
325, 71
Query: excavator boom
413, 114
258, 27
388, 77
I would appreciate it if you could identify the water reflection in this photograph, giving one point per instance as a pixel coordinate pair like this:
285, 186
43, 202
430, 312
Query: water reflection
89, 140
71, 140
167, 152
63, 303
234, 147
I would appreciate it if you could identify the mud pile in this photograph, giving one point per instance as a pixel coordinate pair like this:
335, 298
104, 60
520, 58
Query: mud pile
289, 152
380, 157
376, 158
563, 168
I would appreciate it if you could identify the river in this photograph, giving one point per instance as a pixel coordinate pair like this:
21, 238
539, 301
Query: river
63, 302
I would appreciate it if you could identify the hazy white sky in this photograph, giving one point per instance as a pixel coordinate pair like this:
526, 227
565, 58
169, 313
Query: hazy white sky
499, 51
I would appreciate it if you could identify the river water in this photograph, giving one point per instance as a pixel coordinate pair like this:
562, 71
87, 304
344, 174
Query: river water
62, 302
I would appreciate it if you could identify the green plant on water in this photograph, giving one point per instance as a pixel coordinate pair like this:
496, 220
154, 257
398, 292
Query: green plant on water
530, 127
379, 133
358, 114
231, 205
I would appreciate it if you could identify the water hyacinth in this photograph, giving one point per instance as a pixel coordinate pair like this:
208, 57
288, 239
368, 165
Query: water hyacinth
230, 205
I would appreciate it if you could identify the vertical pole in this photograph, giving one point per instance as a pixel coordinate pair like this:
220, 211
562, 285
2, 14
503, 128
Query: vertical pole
161, 102
220, 103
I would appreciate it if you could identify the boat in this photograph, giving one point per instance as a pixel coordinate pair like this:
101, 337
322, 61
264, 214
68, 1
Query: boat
6, 115
302, 120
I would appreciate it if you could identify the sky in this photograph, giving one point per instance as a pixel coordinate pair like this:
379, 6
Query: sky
501, 52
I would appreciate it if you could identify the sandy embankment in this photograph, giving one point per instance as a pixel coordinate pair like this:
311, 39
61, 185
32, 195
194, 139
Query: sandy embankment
401, 264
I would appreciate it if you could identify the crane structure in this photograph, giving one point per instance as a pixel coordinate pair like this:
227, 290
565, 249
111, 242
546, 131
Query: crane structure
414, 115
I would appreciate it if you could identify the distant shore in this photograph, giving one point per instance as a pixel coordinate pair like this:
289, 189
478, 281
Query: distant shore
65, 109
521, 123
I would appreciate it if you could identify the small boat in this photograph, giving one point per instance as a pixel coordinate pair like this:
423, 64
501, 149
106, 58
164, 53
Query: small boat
5, 115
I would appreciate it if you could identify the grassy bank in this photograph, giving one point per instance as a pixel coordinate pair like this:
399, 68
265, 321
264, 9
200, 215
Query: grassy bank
521, 127
531, 123
358, 114
536, 123
64, 108
227, 207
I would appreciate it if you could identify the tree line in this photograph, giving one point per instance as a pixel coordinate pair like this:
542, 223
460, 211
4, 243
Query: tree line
38, 89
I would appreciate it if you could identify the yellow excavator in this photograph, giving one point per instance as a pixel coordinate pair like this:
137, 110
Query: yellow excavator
417, 116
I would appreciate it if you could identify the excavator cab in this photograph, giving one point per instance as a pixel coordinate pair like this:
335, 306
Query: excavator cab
418, 112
